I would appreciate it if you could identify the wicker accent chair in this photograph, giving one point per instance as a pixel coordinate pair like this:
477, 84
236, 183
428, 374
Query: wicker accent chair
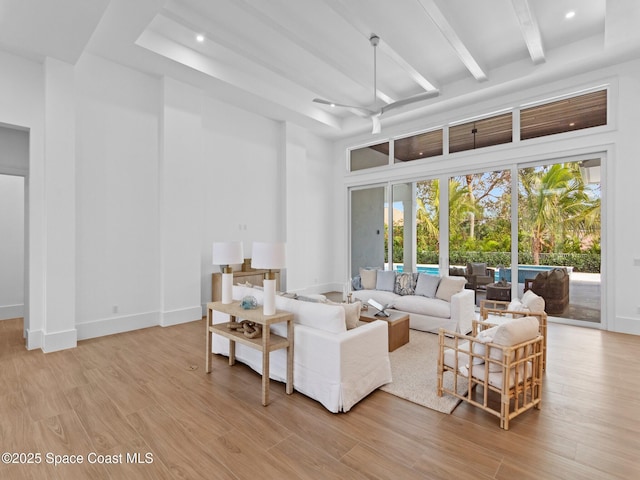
496, 312
506, 365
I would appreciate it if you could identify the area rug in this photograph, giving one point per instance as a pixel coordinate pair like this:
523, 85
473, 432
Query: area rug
414, 369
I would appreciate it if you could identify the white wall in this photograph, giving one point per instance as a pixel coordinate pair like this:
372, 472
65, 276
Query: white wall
241, 174
118, 226
618, 142
624, 244
22, 100
60, 213
11, 246
181, 203
310, 212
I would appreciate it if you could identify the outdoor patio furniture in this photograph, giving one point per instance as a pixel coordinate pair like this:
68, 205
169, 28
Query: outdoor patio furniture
478, 276
553, 286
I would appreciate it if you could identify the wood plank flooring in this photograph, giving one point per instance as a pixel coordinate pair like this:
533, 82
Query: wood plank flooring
145, 394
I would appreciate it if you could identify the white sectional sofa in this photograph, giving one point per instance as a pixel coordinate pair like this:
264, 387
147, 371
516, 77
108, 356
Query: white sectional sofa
333, 365
432, 302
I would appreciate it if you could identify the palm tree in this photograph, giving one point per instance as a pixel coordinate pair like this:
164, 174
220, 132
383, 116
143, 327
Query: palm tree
553, 203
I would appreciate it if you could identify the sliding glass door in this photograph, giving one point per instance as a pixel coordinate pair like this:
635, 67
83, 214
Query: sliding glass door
367, 228
552, 225
480, 228
559, 232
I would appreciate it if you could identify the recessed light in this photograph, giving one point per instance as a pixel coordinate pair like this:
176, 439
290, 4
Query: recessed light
572, 124
200, 38
570, 14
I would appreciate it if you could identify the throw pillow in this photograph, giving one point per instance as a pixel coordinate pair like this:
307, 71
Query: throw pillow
313, 298
351, 313
512, 333
386, 280
517, 306
427, 285
533, 301
356, 283
449, 286
368, 278
405, 284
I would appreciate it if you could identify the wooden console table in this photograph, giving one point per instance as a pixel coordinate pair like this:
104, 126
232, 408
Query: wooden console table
266, 344
252, 276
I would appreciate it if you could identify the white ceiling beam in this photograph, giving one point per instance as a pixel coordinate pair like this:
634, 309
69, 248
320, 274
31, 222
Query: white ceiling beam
454, 40
406, 66
342, 9
276, 25
530, 30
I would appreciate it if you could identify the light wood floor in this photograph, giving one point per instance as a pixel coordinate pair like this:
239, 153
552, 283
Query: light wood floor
146, 392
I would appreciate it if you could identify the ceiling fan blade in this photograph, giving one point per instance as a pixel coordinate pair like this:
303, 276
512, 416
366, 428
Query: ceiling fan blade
360, 111
406, 101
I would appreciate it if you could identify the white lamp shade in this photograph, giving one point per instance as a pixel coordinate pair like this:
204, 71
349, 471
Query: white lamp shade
227, 253
267, 256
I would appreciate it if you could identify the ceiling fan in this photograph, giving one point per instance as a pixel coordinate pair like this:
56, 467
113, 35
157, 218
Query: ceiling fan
373, 112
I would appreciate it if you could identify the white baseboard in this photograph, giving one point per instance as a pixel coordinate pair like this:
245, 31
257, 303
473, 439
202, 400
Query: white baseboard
627, 325
109, 326
183, 315
53, 342
33, 339
11, 311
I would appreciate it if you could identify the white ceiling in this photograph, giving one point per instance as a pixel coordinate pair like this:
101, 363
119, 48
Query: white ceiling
273, 57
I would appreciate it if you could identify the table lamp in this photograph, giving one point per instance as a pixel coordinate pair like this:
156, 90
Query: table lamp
226, 254
268, 256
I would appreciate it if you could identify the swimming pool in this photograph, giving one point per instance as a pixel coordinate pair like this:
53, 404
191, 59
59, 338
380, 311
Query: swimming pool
524, 271
430, 269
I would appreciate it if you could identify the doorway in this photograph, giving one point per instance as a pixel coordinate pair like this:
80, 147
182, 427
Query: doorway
14, 194
12, 247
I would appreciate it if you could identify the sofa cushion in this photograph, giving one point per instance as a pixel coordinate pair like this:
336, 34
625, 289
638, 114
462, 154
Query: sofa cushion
405, 284
449, 286
475, 269
368, 278
516, 331
427, 285
432, 307
380, 296
534, 302
512, 333
386, 280
330, 318
323, 316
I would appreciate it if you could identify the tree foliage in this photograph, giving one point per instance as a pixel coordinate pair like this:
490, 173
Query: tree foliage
558, 214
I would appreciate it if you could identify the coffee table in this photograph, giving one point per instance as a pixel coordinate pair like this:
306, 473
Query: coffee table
398, 326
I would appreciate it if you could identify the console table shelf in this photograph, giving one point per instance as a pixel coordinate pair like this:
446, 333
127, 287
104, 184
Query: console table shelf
266, 343
276, 342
